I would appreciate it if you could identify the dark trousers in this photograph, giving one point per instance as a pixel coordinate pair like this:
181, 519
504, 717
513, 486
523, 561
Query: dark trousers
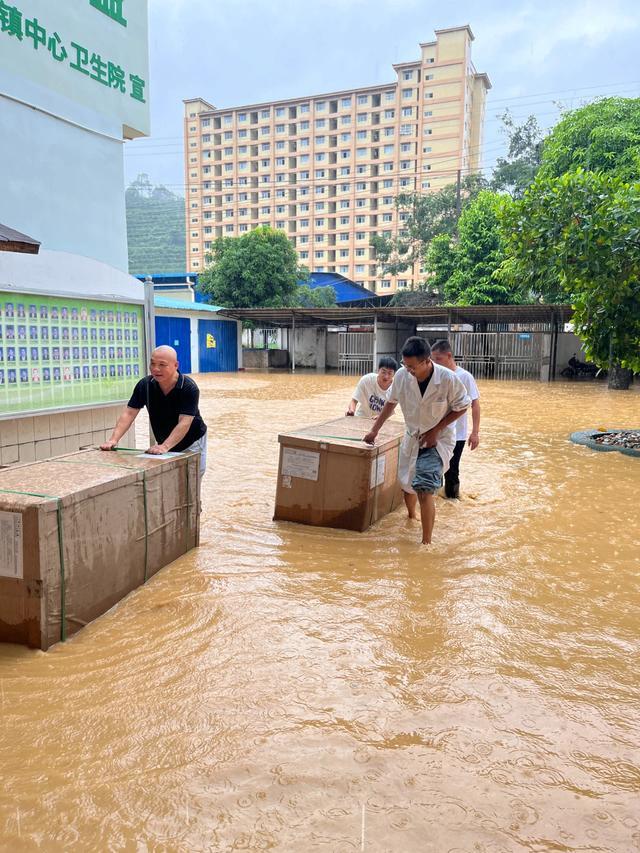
452, 477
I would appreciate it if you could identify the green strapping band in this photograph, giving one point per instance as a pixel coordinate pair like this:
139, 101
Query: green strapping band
146, 525
63, 585
188, 507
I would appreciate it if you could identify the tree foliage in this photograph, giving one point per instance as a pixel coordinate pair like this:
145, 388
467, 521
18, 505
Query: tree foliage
517, 171
601, 137
464, 270
257, 270
316, 297
427, 216
155, 228
582, 230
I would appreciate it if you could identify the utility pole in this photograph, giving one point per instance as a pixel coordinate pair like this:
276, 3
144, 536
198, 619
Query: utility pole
458, 195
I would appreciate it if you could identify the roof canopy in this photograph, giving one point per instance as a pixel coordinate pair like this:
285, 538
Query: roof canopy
14, 241
431, 315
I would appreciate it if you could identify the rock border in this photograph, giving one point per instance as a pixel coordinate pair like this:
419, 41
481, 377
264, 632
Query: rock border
586, 437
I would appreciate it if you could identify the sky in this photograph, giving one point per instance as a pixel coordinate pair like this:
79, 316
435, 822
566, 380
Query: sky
540, 57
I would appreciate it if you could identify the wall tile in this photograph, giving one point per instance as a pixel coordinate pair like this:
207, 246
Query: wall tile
27, 452
41, 428
8, 433
71, 423
43, 449
25, 430
10, 454
56, 425
58, 446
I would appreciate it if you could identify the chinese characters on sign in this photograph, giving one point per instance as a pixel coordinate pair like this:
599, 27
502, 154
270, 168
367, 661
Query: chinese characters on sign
79, 58
112, 8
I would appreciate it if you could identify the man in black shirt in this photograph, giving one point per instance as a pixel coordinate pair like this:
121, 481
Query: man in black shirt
171, 399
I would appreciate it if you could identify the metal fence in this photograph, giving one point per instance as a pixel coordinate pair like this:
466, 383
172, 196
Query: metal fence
355, 353
501, 355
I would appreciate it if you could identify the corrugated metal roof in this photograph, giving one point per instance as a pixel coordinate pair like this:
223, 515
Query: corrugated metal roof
436, 314
14, 241
179, 305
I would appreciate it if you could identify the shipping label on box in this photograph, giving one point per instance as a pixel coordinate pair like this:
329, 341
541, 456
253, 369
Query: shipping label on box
11, 545
300, 463
378, 467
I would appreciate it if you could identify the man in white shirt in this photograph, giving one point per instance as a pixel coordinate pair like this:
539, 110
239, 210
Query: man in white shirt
373, 389
442, 354
432, 398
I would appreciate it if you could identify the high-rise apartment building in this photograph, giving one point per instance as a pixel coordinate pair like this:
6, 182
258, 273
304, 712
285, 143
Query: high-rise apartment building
326, 168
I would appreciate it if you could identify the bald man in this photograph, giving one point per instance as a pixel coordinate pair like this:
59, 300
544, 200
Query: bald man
171, 399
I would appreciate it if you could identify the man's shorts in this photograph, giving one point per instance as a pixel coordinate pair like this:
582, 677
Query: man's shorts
428, 476
201, 445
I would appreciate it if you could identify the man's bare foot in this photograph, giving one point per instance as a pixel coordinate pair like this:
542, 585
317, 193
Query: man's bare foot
426, 542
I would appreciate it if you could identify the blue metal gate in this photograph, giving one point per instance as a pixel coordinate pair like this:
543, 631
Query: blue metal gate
217, 346
176, 332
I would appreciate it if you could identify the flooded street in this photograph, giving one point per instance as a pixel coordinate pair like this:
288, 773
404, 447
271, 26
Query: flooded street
303, 689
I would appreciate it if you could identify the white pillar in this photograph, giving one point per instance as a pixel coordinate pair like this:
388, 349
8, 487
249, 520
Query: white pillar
375, 342
293, 342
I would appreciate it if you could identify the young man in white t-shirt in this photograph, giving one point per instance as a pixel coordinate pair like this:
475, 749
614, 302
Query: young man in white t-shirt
442, 354
373, 389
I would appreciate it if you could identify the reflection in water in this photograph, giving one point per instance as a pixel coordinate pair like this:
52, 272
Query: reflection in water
283, 684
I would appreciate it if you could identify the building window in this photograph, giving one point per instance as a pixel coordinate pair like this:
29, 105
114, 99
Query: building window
345, 103
345, 120
390, 95
242, 134
428, 95
243, 228
361, 153
360, 220
344, 253
407, 75
363, 118
344, 220
304, 125
361, 134
304, 255
388, 149
303, 108
345, 155
320, 106
227, 119
407, 112
279, 128
321, 122
359, 268
389, 114
344, 237
280, 111
344, 204
407, 93
321, 140
242, 116
265, 113
363, 99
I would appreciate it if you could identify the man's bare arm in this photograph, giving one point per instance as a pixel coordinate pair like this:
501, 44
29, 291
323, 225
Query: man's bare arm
388, 409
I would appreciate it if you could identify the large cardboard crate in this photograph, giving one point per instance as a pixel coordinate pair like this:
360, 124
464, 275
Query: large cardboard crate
327, 476
79, 532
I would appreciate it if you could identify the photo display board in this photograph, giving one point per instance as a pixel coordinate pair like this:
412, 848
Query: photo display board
58, 352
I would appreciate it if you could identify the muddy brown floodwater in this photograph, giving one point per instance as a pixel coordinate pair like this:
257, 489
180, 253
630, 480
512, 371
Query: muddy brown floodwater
302, 689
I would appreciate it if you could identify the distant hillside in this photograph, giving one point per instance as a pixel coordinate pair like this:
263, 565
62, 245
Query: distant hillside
155, 228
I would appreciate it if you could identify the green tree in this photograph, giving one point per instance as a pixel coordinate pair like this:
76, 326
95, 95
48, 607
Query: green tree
316, 297
258, 270
515, 172
155, 228
427, 216
582, 229
465, 270
601, 137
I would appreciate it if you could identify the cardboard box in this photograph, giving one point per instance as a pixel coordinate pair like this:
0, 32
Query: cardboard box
329, 477
79, 532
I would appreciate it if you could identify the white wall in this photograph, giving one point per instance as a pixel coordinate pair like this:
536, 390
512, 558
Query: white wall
310, 347
62, 185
